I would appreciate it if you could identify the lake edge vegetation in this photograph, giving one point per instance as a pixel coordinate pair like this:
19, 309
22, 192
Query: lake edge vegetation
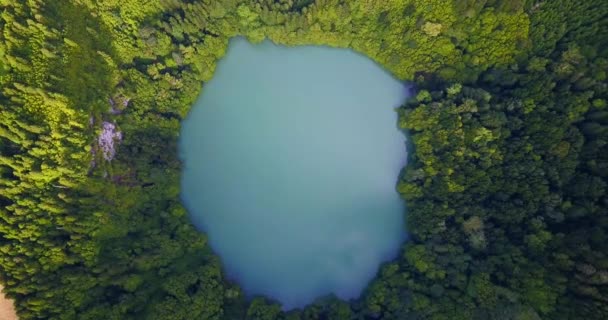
506, 188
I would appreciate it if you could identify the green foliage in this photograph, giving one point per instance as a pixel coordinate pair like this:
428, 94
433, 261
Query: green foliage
259, 309
506, 188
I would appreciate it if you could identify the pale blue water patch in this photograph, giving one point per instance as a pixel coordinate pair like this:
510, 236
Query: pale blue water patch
291, 156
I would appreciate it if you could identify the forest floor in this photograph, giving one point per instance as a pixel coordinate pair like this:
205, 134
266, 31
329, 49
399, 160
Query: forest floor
7, 309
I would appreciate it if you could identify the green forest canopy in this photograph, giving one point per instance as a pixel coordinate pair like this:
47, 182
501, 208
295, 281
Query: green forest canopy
506, 191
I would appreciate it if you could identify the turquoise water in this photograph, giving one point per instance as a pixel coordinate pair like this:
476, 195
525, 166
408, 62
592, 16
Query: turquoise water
291, 157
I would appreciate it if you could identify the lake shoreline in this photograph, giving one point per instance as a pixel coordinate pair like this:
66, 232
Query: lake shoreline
323, 151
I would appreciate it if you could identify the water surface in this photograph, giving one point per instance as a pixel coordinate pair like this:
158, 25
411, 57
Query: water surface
291, 156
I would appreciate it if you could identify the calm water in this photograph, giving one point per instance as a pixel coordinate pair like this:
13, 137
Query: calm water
291, 157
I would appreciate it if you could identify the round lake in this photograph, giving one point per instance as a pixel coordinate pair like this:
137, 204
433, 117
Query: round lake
291, 157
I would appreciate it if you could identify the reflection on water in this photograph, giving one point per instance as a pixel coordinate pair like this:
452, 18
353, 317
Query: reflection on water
291, 156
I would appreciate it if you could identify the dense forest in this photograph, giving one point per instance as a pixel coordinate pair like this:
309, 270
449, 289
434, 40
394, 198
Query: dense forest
506, 189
